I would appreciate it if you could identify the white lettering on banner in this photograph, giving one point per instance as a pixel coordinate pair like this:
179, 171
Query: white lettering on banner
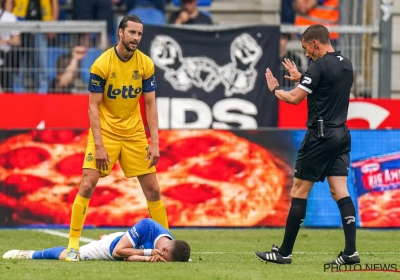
387, 178
375, 115
221, 113
172, 113
238, 76
179, 107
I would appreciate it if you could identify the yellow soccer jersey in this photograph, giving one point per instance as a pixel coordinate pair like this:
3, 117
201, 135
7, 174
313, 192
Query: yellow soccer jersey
121, 83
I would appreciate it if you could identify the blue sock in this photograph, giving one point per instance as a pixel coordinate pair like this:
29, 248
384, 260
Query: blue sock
48, 254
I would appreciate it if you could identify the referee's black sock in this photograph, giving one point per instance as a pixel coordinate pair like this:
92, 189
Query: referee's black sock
348, 213
296, 216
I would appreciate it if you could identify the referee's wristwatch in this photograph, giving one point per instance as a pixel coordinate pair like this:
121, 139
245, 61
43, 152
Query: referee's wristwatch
275, 88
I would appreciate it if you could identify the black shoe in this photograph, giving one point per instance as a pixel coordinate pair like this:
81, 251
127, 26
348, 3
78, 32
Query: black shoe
273, 256
344, 259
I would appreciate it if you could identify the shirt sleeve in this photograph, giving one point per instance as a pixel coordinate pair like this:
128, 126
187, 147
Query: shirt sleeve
310, 80
13, 18
149, 83
98, 79
137, 232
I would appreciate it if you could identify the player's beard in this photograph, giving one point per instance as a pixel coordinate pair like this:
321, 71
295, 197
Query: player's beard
127, 45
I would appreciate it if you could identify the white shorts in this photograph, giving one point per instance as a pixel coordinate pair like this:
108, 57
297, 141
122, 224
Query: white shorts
100, 249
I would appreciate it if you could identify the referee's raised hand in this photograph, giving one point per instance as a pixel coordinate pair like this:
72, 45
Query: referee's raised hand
291, 67
271, 80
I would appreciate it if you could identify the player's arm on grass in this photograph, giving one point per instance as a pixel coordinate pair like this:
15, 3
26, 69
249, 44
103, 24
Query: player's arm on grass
144, 259
124, 249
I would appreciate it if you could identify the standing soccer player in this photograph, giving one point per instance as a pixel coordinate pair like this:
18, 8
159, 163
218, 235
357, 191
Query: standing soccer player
117, 79
325, 149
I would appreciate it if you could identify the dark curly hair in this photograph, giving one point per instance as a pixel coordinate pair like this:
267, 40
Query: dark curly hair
180, 251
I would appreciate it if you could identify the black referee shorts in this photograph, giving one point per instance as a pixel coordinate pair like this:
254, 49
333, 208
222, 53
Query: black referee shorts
319, 158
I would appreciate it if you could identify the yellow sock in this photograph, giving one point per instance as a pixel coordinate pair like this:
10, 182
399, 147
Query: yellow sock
158, 212
78, 216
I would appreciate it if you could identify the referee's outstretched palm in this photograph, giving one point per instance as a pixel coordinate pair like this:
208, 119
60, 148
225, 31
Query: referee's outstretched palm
271, 80
291, 67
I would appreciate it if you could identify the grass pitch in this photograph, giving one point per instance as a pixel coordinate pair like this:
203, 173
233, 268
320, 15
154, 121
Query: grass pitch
216, 254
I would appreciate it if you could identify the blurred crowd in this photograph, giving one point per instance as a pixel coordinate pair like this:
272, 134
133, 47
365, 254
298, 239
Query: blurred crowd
39, 62
25, 63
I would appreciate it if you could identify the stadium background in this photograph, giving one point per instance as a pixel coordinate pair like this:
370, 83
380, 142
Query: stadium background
34, 124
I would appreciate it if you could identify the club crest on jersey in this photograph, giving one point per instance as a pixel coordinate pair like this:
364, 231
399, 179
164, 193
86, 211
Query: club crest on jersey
136, 75
125, 92
89, 157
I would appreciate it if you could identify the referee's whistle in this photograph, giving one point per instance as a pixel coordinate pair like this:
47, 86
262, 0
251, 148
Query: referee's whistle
321, 128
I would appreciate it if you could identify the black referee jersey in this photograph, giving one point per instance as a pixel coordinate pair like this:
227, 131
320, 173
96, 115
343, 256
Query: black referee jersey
328, 81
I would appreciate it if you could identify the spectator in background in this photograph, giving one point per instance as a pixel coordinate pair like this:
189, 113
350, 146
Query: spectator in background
93, 10
8, 53
8, 5
284, 53
189, 14
131, 4
287, 12
35, 45
325, 12
67, 70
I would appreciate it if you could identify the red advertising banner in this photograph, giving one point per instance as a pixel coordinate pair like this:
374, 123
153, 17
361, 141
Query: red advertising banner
365, 114
207, 178
28, 111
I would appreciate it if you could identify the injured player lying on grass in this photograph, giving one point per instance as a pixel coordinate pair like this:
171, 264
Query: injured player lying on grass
146, 241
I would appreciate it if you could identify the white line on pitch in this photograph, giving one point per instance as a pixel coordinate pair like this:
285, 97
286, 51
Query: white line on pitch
62, 234
87, 240
300, 253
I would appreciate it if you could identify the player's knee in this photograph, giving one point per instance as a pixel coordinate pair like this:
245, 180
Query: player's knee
337, 195
152, 194
87, 188
89, 181
300, 190
150, 186
333, 193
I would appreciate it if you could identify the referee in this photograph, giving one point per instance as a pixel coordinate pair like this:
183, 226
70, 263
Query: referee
325, 149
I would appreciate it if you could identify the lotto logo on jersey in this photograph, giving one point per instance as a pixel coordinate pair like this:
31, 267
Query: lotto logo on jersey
125, 92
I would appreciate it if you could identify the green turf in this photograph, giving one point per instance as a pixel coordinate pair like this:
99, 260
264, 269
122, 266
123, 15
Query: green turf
216, 254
